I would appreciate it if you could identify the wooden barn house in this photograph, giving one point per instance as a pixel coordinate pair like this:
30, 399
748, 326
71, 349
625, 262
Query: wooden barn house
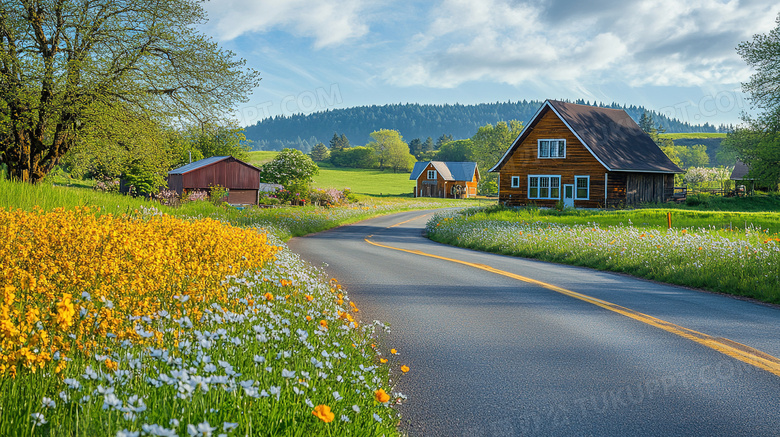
241, 179
453, 180
585, 156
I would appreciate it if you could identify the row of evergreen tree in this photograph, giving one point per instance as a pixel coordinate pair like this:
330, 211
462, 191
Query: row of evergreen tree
415, 120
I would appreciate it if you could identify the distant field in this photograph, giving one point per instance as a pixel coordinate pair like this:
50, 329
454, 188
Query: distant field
260, 157
362, 181
695, 135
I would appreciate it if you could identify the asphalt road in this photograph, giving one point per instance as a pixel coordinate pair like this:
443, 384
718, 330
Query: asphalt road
494, 356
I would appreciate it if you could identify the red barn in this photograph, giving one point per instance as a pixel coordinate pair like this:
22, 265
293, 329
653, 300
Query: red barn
241, 179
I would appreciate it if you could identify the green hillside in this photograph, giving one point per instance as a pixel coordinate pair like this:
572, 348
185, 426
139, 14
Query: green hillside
413, 120
711, 140
259, 158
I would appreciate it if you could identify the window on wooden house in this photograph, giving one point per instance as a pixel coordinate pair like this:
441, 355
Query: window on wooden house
552, 149
544, 187
582, 187
431, 174
515, 181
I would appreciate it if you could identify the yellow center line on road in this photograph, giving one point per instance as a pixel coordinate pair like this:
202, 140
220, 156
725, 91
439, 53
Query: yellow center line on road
728, 347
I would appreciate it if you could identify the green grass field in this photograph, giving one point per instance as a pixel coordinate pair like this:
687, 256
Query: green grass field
363, 181
695, 135
359, 180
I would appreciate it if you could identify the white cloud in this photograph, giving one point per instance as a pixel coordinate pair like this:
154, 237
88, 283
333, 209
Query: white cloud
640, 42
328, 22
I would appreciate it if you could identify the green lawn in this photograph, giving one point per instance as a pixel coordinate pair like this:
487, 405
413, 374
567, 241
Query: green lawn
359, 180
363, 181
695, 135
260, 157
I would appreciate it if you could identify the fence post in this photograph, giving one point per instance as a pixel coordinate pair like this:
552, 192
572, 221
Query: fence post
669, 220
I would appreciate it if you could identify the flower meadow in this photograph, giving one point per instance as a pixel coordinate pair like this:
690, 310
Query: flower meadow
735, 261
143, 324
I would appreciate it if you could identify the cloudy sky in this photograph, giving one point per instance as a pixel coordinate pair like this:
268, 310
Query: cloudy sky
674, 56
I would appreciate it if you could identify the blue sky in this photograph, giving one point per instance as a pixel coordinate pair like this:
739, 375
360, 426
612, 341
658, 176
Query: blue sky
674, 56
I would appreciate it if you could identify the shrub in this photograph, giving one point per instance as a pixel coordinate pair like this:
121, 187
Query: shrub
168, 198
267, 198
218, 194
107, 185
701, 199
196, 195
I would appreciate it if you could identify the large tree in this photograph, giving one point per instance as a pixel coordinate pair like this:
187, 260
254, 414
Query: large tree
391, 150
757, 142
66, 65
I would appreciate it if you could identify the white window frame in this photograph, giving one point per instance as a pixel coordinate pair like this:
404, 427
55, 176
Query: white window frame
431, 174
576, 187
540, 179
515, 182
549, 142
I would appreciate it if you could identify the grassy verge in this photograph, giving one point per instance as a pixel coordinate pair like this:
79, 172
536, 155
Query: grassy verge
645, 217
734, 253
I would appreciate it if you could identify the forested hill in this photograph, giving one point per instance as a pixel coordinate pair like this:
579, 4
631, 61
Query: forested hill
413, 120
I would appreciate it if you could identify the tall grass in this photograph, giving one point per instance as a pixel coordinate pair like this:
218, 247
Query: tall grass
284, 222
48, 196
698, 251
645, 217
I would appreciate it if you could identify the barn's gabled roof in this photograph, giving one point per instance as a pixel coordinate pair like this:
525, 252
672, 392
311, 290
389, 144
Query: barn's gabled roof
449, 171
205, 162
740, 172
610, 135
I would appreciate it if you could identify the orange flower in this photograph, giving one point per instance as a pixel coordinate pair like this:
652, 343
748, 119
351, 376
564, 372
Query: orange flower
308, 318
393, 351
323, 413
111, 365
404, 369
324, 323
268, 296
383, 360
381, 396
309, 298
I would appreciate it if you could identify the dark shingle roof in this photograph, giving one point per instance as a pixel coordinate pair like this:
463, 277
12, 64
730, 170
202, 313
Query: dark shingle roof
450, 171
610, 135
197, 164
740, 171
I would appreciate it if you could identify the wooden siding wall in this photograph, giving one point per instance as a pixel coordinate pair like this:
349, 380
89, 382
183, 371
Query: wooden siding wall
616, 189
578, 162
422, 180
175, 183
228, 173
642, 187
242, 197
649, 187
